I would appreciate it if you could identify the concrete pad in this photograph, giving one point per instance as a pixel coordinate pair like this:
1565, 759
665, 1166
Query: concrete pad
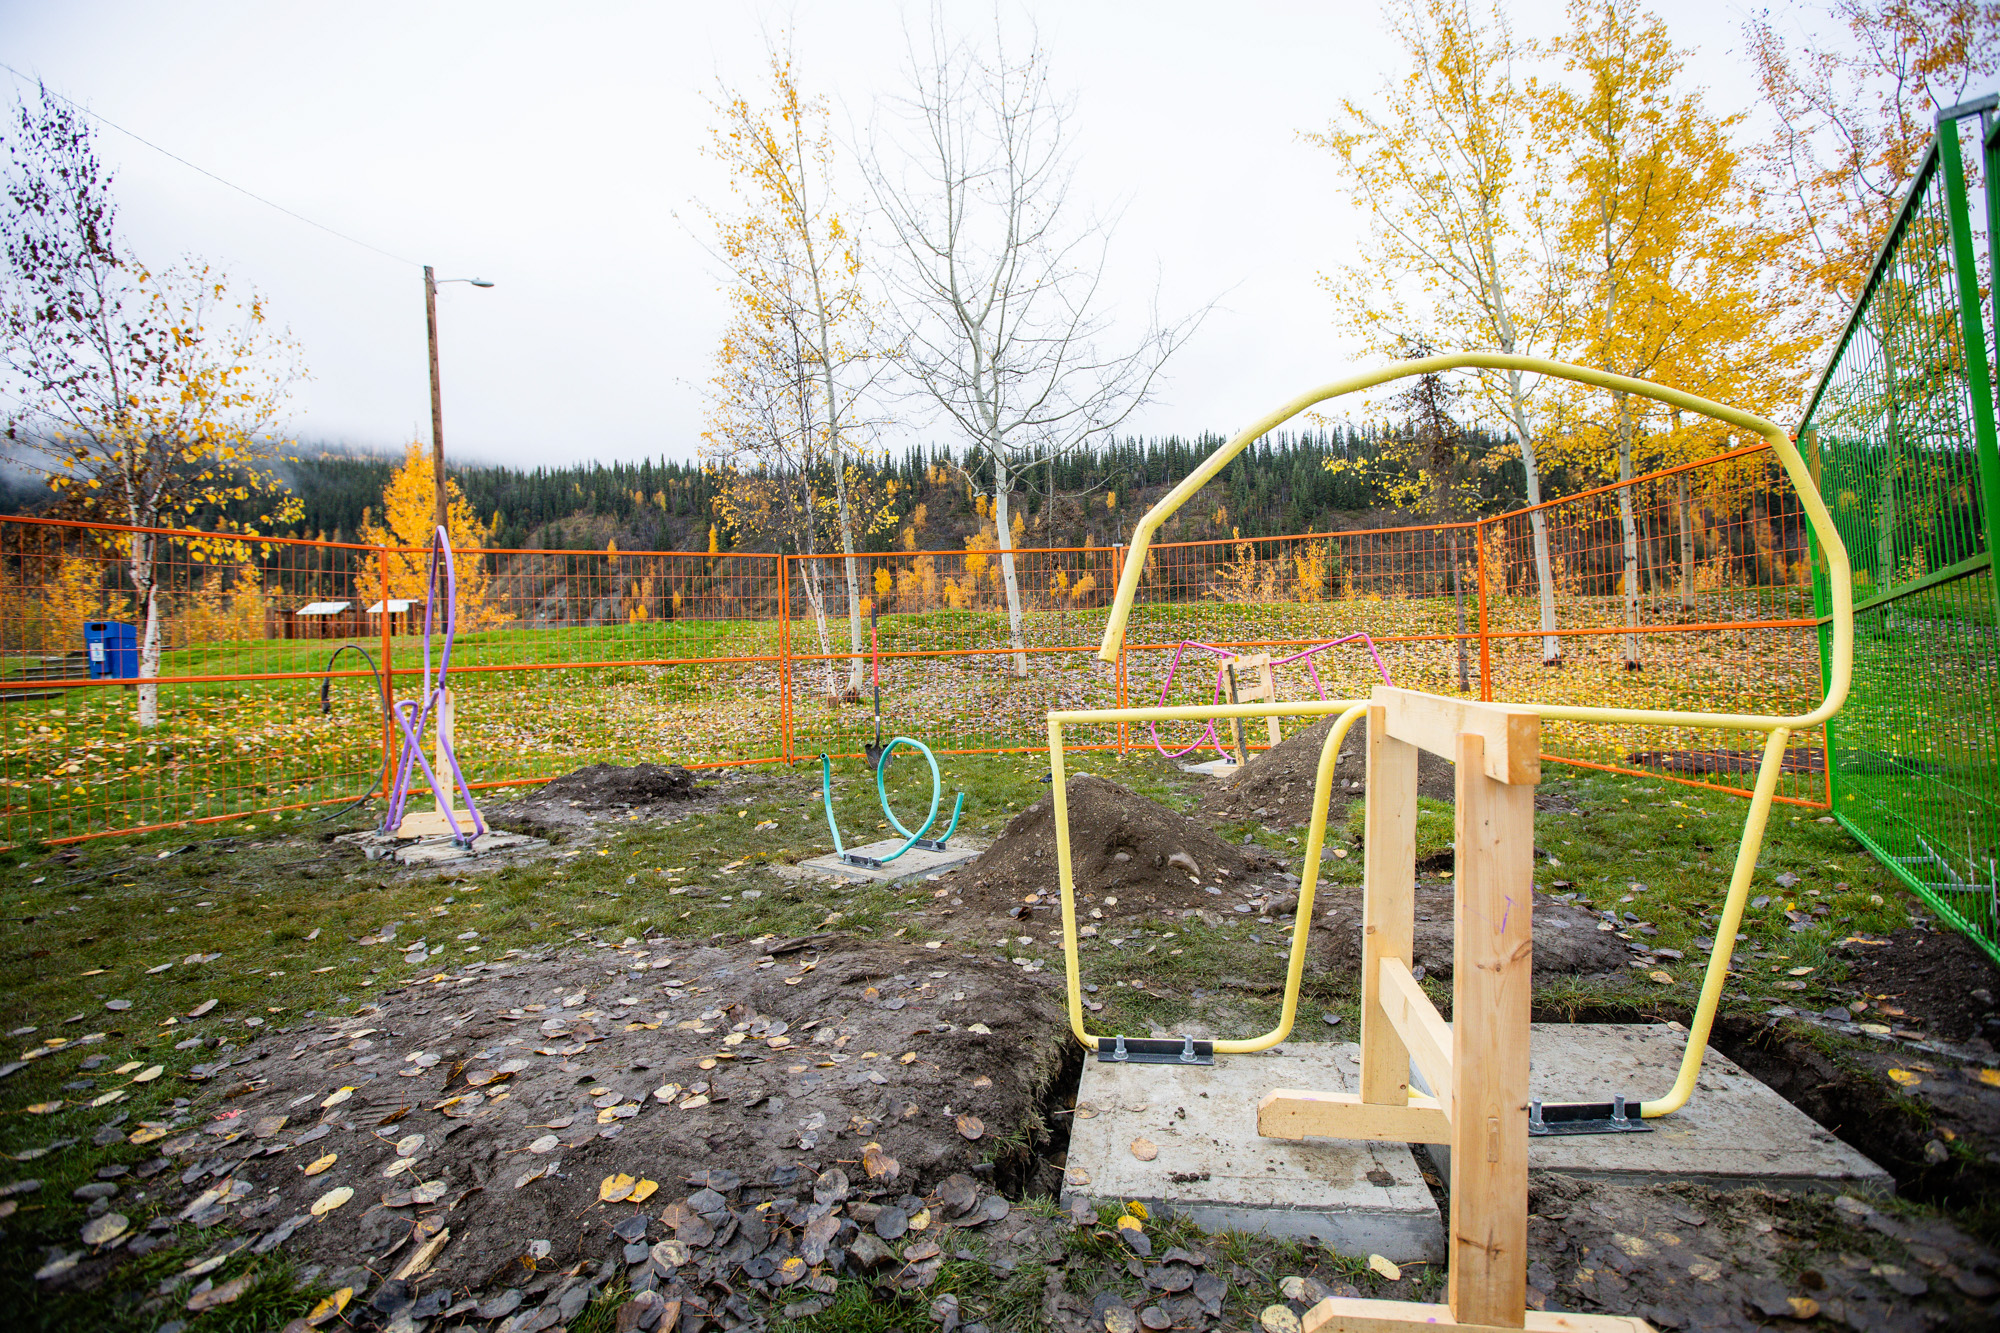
1734, 1131
1212, 1168
378, 846
913, 864
1214, 768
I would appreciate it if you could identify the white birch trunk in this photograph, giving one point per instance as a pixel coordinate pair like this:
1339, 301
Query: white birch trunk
1629, 524
1001, 520
145, 580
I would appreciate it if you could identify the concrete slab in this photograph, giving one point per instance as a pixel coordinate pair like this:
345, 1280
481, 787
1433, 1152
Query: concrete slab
377, 846
1733, 1131
1214, 768
913, 864
1212, 1168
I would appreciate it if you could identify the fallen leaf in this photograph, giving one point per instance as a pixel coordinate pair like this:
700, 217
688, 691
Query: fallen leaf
1119, 1319
428, 1192
643, 1191
1990, 1077
128, 1067
336, 1098
201, 1008
1803, 1307
109, 1227
1385, 1268
1279, 1319
1145, 1149
223, 1294
1127, 1222
322, 1164
970, 1126
1664, 978
147, 1134
878, 1164
546, 1143
330, 1307
613, 1188
1801, 971
408, 1145
331, 1200
118, 1005
906, 1058
44, 1108
1901, 1076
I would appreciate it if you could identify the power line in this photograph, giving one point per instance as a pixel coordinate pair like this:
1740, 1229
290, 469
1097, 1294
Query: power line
351, 240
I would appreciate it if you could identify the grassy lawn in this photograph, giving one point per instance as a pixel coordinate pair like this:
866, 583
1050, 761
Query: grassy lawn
266, 923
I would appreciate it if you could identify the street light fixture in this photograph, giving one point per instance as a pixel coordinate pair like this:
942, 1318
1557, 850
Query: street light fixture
431, 284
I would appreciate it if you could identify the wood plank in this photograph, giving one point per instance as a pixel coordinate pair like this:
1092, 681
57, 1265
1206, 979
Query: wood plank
1287, 1113
1417, 1021
1354, 1314
1492, 975
1513, 735
1388, 904
447, 793
1264, 687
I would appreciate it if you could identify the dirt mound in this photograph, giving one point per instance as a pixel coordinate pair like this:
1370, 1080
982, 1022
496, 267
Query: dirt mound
1277, 785
577, 800
1567, 938
1122, 846
495, 1103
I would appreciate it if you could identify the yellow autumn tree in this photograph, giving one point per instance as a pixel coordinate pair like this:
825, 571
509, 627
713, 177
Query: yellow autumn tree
409, 509
1454, 180
1852, 111
785, 420
1670, 263
147, 397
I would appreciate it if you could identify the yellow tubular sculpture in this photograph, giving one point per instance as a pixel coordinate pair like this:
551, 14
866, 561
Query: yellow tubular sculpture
1778, 730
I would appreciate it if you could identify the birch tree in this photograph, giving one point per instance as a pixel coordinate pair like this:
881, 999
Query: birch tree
795, 258
1455, 185
143, 396
1660, 229
997, 280
1851, 117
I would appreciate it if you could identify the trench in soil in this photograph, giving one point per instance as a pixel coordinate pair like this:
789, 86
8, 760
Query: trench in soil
1850, 1104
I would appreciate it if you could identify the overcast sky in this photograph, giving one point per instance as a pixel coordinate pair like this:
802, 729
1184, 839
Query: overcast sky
552, 149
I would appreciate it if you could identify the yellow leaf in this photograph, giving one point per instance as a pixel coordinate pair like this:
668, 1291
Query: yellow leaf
1130, 1223
330, 1307
643, 1191
1385, 1268
1905, 1078
1990, 1077
322, 1164
613, 1188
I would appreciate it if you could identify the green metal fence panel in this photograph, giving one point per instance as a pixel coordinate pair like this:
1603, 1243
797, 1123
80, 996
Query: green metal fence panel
1901, 431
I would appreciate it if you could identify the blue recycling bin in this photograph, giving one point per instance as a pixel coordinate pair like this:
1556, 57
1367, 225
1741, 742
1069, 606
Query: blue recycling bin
113, 649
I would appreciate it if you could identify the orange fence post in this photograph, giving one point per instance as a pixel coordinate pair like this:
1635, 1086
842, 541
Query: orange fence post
1485, 642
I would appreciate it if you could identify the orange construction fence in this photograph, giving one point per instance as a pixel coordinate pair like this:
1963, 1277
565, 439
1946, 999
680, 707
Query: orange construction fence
253, 688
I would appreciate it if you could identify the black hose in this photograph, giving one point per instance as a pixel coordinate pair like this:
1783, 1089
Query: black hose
326, 709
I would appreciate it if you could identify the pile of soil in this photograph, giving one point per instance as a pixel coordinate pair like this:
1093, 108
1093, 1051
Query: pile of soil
496, 1102
575, 801
1122, 845
1933, 978
1276, 786
1567, 938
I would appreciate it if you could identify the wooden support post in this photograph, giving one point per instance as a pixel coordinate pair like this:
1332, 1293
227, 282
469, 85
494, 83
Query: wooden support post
1479, 1061
1260, 687
1388, 905
1491, 990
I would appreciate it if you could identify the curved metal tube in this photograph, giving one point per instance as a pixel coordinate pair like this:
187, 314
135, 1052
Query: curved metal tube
937, 791
1778, 729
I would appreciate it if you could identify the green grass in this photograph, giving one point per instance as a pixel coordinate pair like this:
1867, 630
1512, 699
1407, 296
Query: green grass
257, 897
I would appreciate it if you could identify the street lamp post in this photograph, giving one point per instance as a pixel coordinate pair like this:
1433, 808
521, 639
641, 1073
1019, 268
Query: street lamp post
437, 398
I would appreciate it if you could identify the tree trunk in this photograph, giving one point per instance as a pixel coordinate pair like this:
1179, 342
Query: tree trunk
1686, 507
146, 583
1015, 638
1538, 524
854, 671
1458, 600
1630, 527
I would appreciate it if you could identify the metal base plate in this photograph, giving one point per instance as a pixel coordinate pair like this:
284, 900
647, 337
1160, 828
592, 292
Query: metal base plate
1585, 1118
1155, 1051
